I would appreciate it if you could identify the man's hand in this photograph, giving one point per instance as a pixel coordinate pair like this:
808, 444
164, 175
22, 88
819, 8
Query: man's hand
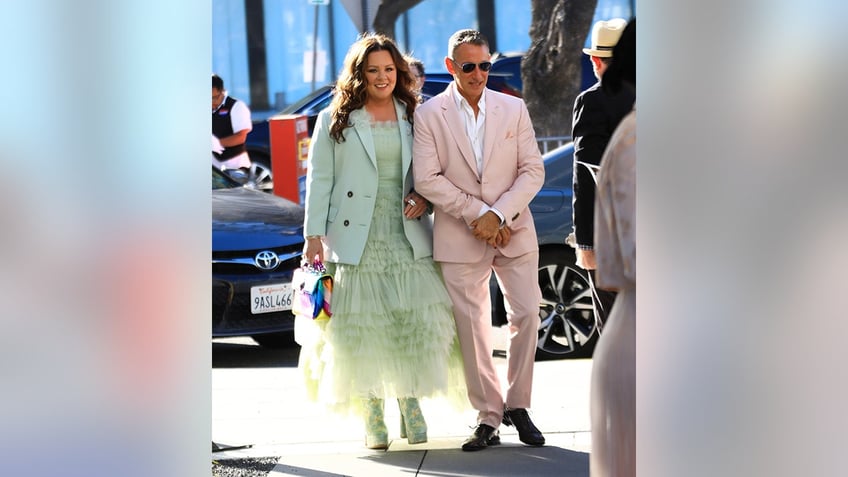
586, 259
486, 227
502, 238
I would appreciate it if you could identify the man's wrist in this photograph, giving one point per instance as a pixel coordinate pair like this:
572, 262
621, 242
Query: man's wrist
501, 220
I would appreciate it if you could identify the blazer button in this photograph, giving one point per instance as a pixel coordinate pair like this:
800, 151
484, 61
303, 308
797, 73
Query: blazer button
350, 193
346, 223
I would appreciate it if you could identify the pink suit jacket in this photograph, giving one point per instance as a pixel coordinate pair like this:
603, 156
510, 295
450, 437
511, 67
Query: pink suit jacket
445, 173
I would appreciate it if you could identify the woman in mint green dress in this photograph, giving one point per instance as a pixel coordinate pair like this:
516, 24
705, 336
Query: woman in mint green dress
392, 333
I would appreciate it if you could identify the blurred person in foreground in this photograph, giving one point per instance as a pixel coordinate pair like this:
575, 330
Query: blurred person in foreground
597, 112
392, 331
477, 161
613, 387
230, 124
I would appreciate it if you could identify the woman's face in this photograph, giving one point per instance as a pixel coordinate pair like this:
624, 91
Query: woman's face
380, 75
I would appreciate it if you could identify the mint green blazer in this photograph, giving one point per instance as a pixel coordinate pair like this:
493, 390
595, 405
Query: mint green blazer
341, 188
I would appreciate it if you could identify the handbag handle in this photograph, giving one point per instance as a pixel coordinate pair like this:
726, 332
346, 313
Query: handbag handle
316, 265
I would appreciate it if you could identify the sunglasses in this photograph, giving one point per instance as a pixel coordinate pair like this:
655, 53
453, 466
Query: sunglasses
469, 67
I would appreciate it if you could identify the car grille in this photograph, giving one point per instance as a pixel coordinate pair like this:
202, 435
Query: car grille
242, 262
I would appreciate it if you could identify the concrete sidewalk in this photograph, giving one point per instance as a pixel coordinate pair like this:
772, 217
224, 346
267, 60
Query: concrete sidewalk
264, 408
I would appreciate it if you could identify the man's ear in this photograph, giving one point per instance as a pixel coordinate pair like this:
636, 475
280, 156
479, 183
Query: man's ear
596, 61
449, 65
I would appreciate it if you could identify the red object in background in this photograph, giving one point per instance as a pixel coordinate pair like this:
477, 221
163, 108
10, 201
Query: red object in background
289, 135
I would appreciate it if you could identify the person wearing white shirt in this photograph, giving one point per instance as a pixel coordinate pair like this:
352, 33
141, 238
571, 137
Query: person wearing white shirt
230, 125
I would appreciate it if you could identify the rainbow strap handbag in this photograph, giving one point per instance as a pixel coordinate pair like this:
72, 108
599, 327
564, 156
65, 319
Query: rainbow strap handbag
313, 288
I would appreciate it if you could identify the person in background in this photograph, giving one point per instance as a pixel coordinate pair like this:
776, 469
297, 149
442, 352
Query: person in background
392, 332
477, 161
416, 67
596, 114
230, 124
613, 385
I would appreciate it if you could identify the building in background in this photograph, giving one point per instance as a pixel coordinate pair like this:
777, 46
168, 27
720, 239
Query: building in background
266, 49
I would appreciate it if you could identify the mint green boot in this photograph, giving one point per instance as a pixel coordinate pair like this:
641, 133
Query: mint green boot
376, 433
412, 424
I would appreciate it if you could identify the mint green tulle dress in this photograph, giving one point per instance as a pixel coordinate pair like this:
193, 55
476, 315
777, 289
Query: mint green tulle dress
392, 332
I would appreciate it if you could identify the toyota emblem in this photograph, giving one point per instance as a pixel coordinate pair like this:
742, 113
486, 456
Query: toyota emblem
266, 260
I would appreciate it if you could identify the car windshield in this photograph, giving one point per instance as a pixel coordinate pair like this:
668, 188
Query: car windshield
221, 181
298, 106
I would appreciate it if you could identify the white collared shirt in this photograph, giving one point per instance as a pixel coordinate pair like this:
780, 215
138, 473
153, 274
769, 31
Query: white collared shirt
475, 129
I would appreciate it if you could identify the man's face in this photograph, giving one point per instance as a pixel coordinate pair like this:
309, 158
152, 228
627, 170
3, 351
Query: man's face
419, 77
470, 82
217, 97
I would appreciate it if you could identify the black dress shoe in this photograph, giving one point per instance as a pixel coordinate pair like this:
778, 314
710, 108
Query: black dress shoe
484, 436
527, 432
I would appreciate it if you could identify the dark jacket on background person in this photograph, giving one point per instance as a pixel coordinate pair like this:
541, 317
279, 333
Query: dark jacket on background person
596, 115
222, 126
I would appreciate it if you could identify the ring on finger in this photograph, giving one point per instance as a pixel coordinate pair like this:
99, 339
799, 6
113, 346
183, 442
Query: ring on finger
412, 202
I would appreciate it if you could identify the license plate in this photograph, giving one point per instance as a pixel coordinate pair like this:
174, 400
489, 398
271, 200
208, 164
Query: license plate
270, 298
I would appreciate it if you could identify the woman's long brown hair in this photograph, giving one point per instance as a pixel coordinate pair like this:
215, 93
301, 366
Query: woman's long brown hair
350, 90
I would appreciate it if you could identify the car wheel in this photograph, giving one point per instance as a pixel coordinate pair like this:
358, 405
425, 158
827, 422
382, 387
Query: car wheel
283, 339
568, 328
260, 176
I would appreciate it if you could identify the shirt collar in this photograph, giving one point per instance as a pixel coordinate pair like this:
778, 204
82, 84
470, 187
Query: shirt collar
222, 103
459, 100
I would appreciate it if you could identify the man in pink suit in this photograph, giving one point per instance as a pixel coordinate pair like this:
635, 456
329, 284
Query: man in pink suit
475, 158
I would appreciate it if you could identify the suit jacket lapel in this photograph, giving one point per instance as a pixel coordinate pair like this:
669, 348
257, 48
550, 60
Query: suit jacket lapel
456, 124
361, 124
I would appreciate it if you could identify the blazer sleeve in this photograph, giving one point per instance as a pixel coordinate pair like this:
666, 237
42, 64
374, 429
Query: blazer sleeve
590, 133
319, 177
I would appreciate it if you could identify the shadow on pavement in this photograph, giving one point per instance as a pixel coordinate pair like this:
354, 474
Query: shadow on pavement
504, 460
245, 355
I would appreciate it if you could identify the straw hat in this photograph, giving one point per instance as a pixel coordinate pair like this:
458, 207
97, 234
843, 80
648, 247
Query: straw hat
605, 35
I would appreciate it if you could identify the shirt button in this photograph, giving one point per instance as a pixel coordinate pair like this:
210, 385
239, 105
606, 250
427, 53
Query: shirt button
346, 223
350, 193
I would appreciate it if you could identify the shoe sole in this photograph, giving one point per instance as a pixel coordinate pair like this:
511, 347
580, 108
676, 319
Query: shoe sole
493, 441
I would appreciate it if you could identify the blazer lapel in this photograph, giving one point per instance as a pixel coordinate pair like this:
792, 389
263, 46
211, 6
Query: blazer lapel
359, 119
405, 141
456, 124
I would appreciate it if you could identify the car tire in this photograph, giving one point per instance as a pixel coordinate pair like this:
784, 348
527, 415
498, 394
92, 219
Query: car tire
568, 326
280, 340
260, 176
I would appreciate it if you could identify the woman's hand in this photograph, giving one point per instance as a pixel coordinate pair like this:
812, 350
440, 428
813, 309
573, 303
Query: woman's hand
313, 249
414, 205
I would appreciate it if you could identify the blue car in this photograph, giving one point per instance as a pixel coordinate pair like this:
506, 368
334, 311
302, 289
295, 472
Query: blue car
257, 242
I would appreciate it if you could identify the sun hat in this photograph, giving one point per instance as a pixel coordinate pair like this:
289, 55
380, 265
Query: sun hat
605, 35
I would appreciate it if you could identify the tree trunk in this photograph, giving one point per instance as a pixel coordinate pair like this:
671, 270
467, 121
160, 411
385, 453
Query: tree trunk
551, 68
388, 13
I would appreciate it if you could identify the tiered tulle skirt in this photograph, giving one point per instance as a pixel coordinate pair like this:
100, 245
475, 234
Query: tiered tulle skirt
392, 332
